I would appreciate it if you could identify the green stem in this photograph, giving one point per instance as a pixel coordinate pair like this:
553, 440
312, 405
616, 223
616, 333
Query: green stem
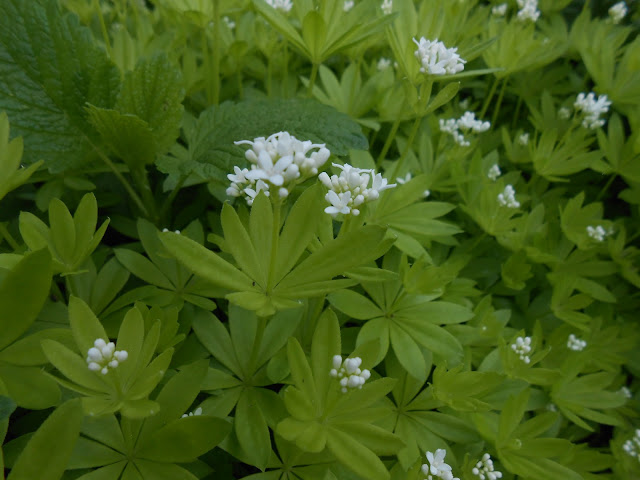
166, 206
516, 113
103, 28
216, 51
405, 153
388, 142
489, 97
286, 69
494, 118
139, 176
257, 341
125, 183
312, 80
606, 187
4, 232
347, 225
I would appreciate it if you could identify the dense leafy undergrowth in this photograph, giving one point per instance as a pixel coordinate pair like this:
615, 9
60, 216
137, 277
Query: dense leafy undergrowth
319, 240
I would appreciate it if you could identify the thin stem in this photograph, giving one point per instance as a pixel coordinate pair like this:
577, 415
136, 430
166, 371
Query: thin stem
498, 103
606, 187
125, 183
103, 28
216, 51
286, 69
257, 341
388, 142
139, 176
312, 80
489, 97
405, 153
4, 232
516, 113
166, 206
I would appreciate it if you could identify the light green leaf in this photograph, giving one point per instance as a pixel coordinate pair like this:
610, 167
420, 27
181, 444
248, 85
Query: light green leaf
355, 456
85, 325
252, 430
142, 268
240, 245
72, 366
314, 32
354, 305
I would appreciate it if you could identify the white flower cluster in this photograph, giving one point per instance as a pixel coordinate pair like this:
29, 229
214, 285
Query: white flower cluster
598, 233
275, 161
494, 172
387, 7
576, 344
457, 128
625, 392
383, 64
522, 347
351, 189
165, 230
564, 113
103, 356
284, 5
500, 10
617, 12
195, 413
632, 446
592, 108
528, 10
348, 5
230, 23
523, 139
484, 469
436, 59
437, 467
349, 372
508, 198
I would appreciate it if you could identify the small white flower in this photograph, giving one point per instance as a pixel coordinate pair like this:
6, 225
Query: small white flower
625, 392
632, 446
436, 59
348, 5
351, 189
576, 344
592, 108
500, 10
467, 123
405, 179
426, 193
564, 113
508, 198
484, 469
522, 347
348, 373
387, 7
103, 356
195, 413
598, 233
528, 10
383, 64
551, 407
230, 23
617, 12
284, 5
437, 466
523, 139
494, 172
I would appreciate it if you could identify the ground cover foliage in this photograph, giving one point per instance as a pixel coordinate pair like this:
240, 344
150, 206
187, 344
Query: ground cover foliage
319, 240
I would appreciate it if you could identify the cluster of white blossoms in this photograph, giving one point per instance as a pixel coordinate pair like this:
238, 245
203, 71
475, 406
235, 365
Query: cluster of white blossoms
598, 233
528, 10
351, 189
632, 446
508, 198
500, 10
484, 469
197, 412
576, 344
387, 7
522, 347
383, 64
103, 356
494, 172
592, 108
458, 127
348, 5
437, 468
349, 373
564, 113
276, 161
436, 59
284, 5
625, 392
523, 139
230, 23
165, 230
617, 12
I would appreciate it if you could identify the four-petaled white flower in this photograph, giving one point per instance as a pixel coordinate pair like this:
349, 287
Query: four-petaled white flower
387, 7
197, 412
592, 108
406, 179
632, 446
436, 59
437, 466
467, 123
284, 5
508, 198
576, 344
528, 10
617, 12
523, 139
484, 469
348, 372
351, 189
103, 356
500, 10
278, 161
494, 172
522, 347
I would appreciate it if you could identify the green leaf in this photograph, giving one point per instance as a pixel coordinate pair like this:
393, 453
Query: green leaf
240, 245
261, 231
300, 369
30, 387
46, 455
130, 339
90, 454
252, 430
72, 366
110, 472
325, 344
7, 407
314, 33
63, 230
142, 268
355, 456
212, 153
408, 353
354, 305
23, 292
51, 68
85, 325
163, 471
215, 338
